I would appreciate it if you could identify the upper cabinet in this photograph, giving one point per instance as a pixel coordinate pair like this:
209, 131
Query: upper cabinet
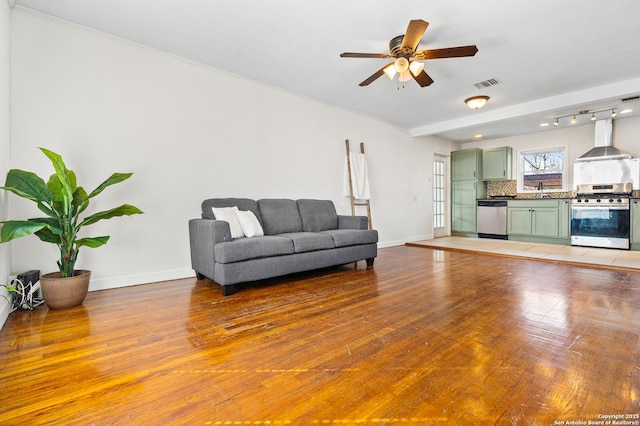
497, 163
466, 164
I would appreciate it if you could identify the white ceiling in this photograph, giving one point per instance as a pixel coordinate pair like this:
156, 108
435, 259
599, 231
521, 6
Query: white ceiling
551, 57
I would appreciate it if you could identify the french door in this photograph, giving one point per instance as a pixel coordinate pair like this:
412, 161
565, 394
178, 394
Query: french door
440, 197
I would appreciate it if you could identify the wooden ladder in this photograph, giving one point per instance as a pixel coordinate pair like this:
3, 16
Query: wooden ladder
354, 202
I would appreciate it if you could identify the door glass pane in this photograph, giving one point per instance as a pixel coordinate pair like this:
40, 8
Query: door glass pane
438, 194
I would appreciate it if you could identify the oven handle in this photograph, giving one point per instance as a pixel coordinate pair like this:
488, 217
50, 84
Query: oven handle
583, 207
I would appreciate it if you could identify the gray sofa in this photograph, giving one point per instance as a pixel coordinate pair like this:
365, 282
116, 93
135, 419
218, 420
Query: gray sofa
299, 235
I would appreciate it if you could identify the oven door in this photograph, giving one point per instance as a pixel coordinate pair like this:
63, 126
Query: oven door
600, 226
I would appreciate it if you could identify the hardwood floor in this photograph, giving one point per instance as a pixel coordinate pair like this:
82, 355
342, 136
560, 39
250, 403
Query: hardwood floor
424, 337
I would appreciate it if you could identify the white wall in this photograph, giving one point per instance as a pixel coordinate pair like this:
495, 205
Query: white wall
422, 213
188, 132
5, 144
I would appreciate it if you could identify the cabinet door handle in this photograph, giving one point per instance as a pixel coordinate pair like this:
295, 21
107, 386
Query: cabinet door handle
504, 173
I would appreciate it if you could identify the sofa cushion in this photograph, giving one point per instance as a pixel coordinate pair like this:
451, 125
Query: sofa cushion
352, 237
249, 223
252, 248
241, 203
228, 214
279, 216
317, 215
309, 241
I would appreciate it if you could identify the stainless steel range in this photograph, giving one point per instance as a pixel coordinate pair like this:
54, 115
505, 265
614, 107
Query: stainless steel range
600, 215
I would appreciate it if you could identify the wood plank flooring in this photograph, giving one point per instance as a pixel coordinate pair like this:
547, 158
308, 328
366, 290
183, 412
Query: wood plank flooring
425, 337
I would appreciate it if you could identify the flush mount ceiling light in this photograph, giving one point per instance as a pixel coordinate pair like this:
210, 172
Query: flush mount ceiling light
476, 102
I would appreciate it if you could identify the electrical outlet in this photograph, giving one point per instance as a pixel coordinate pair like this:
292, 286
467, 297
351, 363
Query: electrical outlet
11, 278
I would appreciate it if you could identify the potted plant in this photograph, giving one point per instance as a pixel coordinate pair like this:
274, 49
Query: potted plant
62, 201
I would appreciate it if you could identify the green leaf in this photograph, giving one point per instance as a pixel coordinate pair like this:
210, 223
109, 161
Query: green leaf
92, 242
123, 210
28, 185
44, 208
80, 200
66, 177
57, 188
13, 229
46, 235
51, 223
112, 180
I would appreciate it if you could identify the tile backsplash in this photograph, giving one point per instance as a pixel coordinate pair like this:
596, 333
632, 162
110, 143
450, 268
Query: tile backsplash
509, 188
498, 188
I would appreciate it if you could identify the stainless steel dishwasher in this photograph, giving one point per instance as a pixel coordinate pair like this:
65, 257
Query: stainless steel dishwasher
492, 219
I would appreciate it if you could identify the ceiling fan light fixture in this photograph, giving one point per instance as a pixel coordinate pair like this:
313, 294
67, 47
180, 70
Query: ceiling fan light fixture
404, 76
401, 65
390, 71
476, 102
416, 67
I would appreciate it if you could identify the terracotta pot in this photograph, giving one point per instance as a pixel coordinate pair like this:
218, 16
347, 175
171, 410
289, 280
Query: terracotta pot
61, 293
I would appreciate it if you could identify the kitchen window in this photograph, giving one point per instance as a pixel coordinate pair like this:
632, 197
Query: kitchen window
544, 170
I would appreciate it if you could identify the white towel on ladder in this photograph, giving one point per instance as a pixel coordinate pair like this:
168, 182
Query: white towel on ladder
359, 177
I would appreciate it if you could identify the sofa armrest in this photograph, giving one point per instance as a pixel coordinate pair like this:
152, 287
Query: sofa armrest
353, 222
204, 234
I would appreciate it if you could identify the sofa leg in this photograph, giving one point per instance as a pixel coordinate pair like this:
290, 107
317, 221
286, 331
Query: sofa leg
370, 261
227, 290
199, 276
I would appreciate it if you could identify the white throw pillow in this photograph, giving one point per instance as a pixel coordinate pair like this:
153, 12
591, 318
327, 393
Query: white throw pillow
228, 214
249, 223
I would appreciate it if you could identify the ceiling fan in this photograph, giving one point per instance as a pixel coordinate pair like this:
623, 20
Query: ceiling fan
403, 49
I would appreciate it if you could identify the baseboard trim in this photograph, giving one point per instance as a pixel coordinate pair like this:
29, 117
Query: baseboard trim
5, 305
129, 280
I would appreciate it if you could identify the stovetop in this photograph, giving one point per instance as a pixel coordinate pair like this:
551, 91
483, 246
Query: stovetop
602, 199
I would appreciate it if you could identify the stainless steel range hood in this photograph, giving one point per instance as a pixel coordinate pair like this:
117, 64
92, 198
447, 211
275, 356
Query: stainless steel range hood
604, 149
605, 164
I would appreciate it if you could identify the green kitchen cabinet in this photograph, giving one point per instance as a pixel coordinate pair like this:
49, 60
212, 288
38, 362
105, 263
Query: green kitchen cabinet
635, 224
463, 206
466, 188
564, 217
497, 163
466, 164
538, 220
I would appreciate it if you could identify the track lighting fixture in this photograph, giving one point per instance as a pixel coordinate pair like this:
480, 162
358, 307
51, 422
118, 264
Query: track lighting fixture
575, 116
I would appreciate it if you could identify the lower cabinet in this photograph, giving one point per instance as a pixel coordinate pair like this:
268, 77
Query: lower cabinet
635, 224
538, 220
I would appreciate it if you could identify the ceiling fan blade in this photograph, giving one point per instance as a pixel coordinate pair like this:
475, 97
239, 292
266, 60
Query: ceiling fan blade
414, 33
448, 52
374, 76
423, 79
364, 55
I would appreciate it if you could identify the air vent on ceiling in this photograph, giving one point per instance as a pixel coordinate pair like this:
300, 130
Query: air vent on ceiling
486, 83
631, 99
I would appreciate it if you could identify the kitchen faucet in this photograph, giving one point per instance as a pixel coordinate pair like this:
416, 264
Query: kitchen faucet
541, 188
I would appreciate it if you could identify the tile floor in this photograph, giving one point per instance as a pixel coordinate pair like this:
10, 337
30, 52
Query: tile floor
550, 252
